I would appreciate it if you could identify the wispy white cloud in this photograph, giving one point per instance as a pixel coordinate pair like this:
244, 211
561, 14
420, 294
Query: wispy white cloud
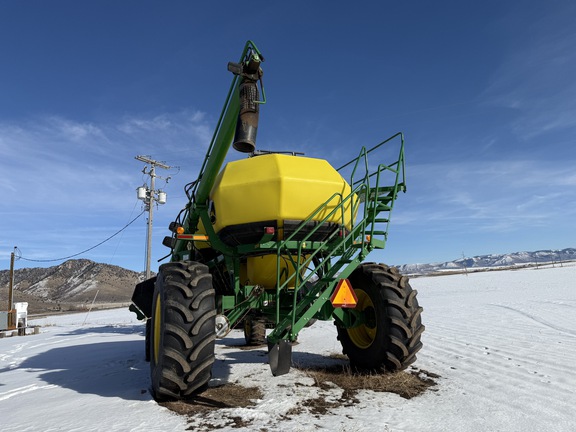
70, 130
69, 184
488, 197
63, 156
536, 79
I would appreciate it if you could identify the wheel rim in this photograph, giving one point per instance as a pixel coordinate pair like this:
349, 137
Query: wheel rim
363, 336
157, 328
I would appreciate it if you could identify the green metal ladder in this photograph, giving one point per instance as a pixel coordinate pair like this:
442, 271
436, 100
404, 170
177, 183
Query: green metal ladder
342, 251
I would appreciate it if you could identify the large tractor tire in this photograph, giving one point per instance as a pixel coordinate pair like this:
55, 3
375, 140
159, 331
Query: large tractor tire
182, 331
254, 330
390, 336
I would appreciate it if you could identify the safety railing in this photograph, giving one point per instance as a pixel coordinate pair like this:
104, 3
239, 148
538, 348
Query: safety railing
364, 217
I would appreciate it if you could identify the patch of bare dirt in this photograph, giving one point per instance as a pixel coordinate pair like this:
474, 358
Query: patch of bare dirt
407, 384
214, 398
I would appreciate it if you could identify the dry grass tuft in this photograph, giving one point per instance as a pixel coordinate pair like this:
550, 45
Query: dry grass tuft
407, 384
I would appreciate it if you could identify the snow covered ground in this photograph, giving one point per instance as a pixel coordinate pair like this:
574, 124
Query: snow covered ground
503, 343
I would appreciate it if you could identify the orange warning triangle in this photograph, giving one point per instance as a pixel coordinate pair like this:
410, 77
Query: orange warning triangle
344, 296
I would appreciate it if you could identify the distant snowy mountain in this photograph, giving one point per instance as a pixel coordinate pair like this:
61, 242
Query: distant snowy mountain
493, 261
74, 282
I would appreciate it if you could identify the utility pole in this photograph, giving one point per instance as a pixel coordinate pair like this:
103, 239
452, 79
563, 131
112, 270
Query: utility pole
12, 317
11, 283
149, 196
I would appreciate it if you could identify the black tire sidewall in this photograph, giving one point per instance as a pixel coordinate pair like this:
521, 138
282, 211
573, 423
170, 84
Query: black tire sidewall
187, 332
254, 331
365, 358
398, 324
156, 368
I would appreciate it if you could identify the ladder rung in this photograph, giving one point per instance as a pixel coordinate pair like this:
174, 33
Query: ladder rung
383, 189
382, 207
384, 198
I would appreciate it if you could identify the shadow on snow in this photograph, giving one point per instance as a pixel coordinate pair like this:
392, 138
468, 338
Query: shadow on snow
114, 368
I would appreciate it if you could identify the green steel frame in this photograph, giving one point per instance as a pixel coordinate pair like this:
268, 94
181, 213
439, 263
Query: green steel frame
317, 265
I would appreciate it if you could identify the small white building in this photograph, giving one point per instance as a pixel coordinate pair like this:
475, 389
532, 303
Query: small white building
21, 314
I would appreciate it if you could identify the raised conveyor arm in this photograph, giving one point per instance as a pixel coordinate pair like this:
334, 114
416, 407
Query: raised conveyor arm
238, 123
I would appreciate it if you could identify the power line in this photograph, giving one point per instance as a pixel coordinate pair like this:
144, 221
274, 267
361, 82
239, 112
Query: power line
84, 251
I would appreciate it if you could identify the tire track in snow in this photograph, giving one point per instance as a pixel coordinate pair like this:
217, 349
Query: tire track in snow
514, 360
23, 390
488, 363
506, 384
538, 320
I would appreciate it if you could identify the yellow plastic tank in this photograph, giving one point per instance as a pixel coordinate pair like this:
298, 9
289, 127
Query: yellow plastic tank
262, 270
279, 190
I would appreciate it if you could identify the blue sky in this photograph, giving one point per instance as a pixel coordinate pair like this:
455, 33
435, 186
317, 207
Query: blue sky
485, 93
